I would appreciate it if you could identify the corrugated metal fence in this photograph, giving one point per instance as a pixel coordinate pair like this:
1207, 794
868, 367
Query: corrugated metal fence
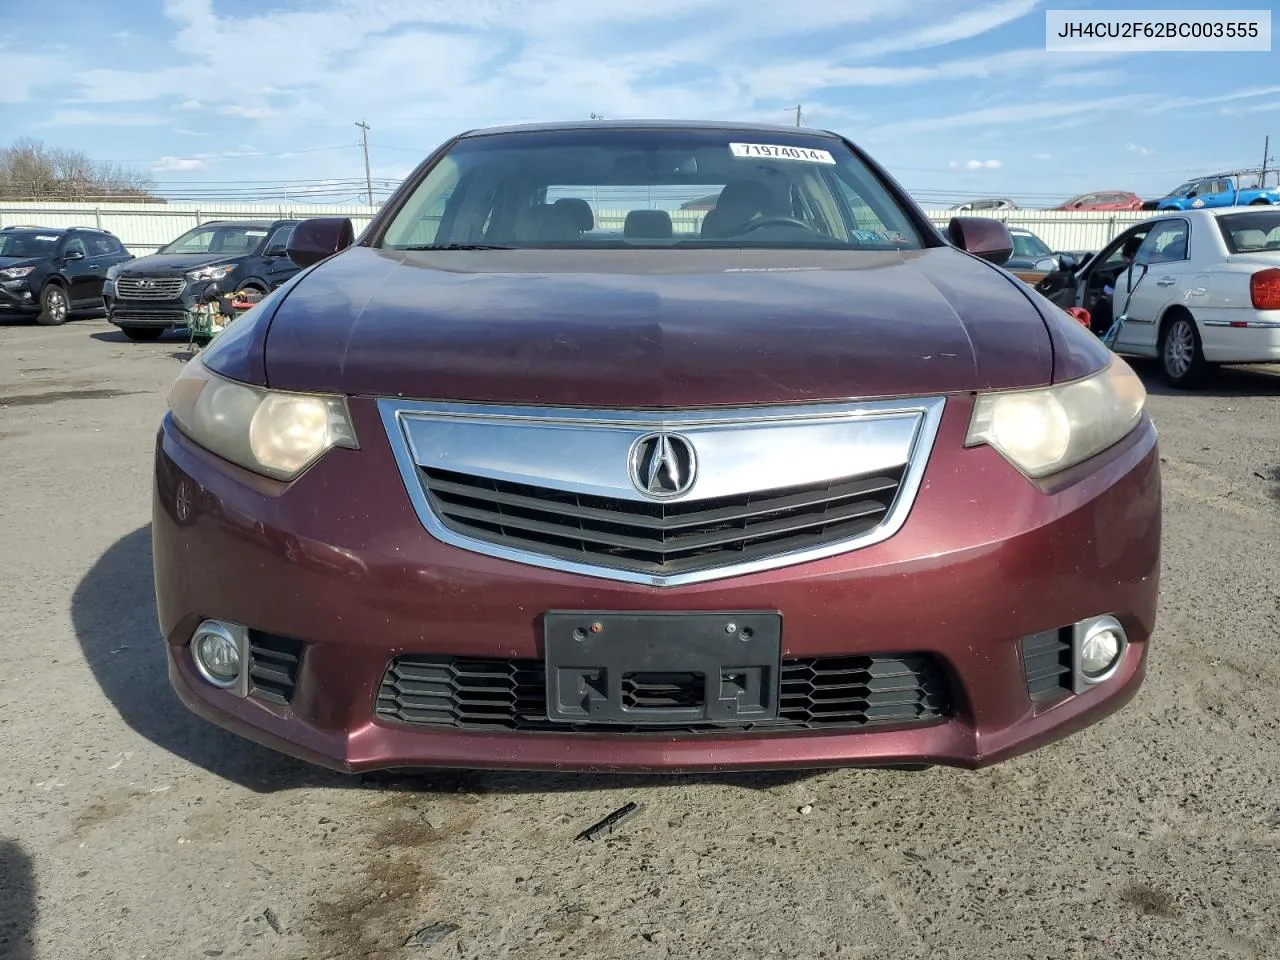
143, 228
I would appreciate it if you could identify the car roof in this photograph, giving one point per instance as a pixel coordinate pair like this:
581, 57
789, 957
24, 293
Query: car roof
247, 223
651, 125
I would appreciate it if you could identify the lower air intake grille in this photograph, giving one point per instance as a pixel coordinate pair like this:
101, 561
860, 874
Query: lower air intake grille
1046, 662
273, 666
820, 693
659, 538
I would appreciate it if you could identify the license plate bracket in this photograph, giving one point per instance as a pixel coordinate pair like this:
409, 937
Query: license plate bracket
662, 668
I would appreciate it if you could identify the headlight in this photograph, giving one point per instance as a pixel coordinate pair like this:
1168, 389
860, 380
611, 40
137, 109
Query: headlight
1050, 429
113, 271
13, 273
269, 432
211, 273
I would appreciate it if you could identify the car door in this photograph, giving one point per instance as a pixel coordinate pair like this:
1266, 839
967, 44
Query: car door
1156, 279
277, 265
101, 255
77, 269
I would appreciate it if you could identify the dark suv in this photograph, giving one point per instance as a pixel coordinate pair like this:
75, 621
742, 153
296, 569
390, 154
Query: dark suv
156, 292
47, 272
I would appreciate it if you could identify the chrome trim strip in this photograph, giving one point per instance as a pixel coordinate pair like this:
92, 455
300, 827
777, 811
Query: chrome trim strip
397, 416
1242, 324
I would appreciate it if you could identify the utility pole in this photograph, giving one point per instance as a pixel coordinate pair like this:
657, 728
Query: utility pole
1266, 151
368, 180
797, 114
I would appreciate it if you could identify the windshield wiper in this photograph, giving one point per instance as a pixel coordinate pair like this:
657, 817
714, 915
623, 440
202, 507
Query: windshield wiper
457, 246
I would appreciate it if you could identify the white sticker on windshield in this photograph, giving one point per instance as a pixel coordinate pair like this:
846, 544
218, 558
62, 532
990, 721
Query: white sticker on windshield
775, 152
255, 233
38, 237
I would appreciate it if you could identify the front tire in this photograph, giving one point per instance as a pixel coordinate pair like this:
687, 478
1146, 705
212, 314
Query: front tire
143, 333
1259, 203
1182, 361
54, 306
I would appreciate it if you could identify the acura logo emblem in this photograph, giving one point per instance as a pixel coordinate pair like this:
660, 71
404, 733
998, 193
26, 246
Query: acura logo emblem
663, 465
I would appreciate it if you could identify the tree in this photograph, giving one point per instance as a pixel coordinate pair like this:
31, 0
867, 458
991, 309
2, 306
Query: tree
30, 170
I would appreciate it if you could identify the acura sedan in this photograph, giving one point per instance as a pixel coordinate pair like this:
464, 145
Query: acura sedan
543, 470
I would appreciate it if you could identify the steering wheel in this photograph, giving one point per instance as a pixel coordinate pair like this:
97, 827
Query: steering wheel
774, 222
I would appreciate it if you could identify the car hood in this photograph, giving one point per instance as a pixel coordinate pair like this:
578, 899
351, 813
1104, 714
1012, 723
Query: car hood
651, 328
170, 263
7, 262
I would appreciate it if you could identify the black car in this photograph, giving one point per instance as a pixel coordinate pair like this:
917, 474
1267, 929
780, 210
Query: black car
48, 272
156, 292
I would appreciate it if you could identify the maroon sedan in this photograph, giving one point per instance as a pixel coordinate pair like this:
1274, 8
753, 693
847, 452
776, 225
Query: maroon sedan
1106, 200
543, 471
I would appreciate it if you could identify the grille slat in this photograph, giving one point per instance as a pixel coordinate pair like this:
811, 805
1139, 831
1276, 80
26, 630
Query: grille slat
274, 663
148, 288
819, 693
654, 537
1046, 664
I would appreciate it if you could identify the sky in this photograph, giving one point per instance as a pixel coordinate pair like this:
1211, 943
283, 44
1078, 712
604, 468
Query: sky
956, 98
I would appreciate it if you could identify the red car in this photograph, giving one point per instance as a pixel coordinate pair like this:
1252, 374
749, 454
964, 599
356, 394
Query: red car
1105, 200
542, 472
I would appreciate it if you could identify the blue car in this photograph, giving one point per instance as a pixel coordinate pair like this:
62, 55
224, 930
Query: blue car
1214, 192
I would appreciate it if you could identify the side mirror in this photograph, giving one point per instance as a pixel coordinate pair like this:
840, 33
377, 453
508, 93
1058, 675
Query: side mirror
1067, 261
981, 236
313, 240
73, 255
281, 251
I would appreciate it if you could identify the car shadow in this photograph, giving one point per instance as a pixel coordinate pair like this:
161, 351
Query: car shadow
114, 614
1224, 382
17, 903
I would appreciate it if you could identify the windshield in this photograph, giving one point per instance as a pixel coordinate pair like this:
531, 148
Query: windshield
27, 244
1029, 245
1182, 190
1251, 232
231, 239
651, 188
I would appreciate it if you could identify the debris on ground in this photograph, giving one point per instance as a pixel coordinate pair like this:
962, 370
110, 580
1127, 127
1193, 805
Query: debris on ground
610, 823
806, 809
273, 921
431, 935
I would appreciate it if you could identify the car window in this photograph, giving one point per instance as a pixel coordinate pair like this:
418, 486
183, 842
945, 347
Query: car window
231, 239
1029, 245
1166, 242
74, 245
1118, 255
651, 188
100, 246
1251, 232
279, 237
28, 244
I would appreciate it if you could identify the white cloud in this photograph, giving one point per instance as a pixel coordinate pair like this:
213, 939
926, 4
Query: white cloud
1138, 149
178, 165
975, 165
1022, 112
190, 105
245, 113
963, 27
1179, 103
1042, 156
102, 118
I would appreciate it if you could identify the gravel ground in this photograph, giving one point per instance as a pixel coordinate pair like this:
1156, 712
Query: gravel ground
128, 828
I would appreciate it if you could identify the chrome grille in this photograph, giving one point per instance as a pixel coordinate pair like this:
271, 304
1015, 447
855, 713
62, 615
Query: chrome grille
659, 538
572, 489
150, 288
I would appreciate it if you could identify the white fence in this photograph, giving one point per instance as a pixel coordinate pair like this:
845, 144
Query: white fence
144, 227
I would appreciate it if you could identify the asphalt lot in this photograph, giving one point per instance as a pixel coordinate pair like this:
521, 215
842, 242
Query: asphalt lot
129, 828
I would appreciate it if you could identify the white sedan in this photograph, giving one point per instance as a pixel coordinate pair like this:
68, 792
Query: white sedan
1196, 287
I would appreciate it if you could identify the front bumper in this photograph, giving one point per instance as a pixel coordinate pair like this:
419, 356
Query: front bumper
149, 313
339, 560
17, 296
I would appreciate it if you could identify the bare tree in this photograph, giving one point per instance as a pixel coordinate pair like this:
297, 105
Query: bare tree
30, 170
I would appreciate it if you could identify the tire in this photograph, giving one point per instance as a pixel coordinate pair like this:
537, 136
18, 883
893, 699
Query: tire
55, 306
1182, 363
143, 333
1259, 203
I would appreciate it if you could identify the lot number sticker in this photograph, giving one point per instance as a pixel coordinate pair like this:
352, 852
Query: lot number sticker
775, 152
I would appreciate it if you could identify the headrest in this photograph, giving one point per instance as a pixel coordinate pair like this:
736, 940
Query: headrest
1249, 239
579, 212
649, 224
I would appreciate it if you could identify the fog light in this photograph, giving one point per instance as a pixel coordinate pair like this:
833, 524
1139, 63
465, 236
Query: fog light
1099, 648
216, 651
